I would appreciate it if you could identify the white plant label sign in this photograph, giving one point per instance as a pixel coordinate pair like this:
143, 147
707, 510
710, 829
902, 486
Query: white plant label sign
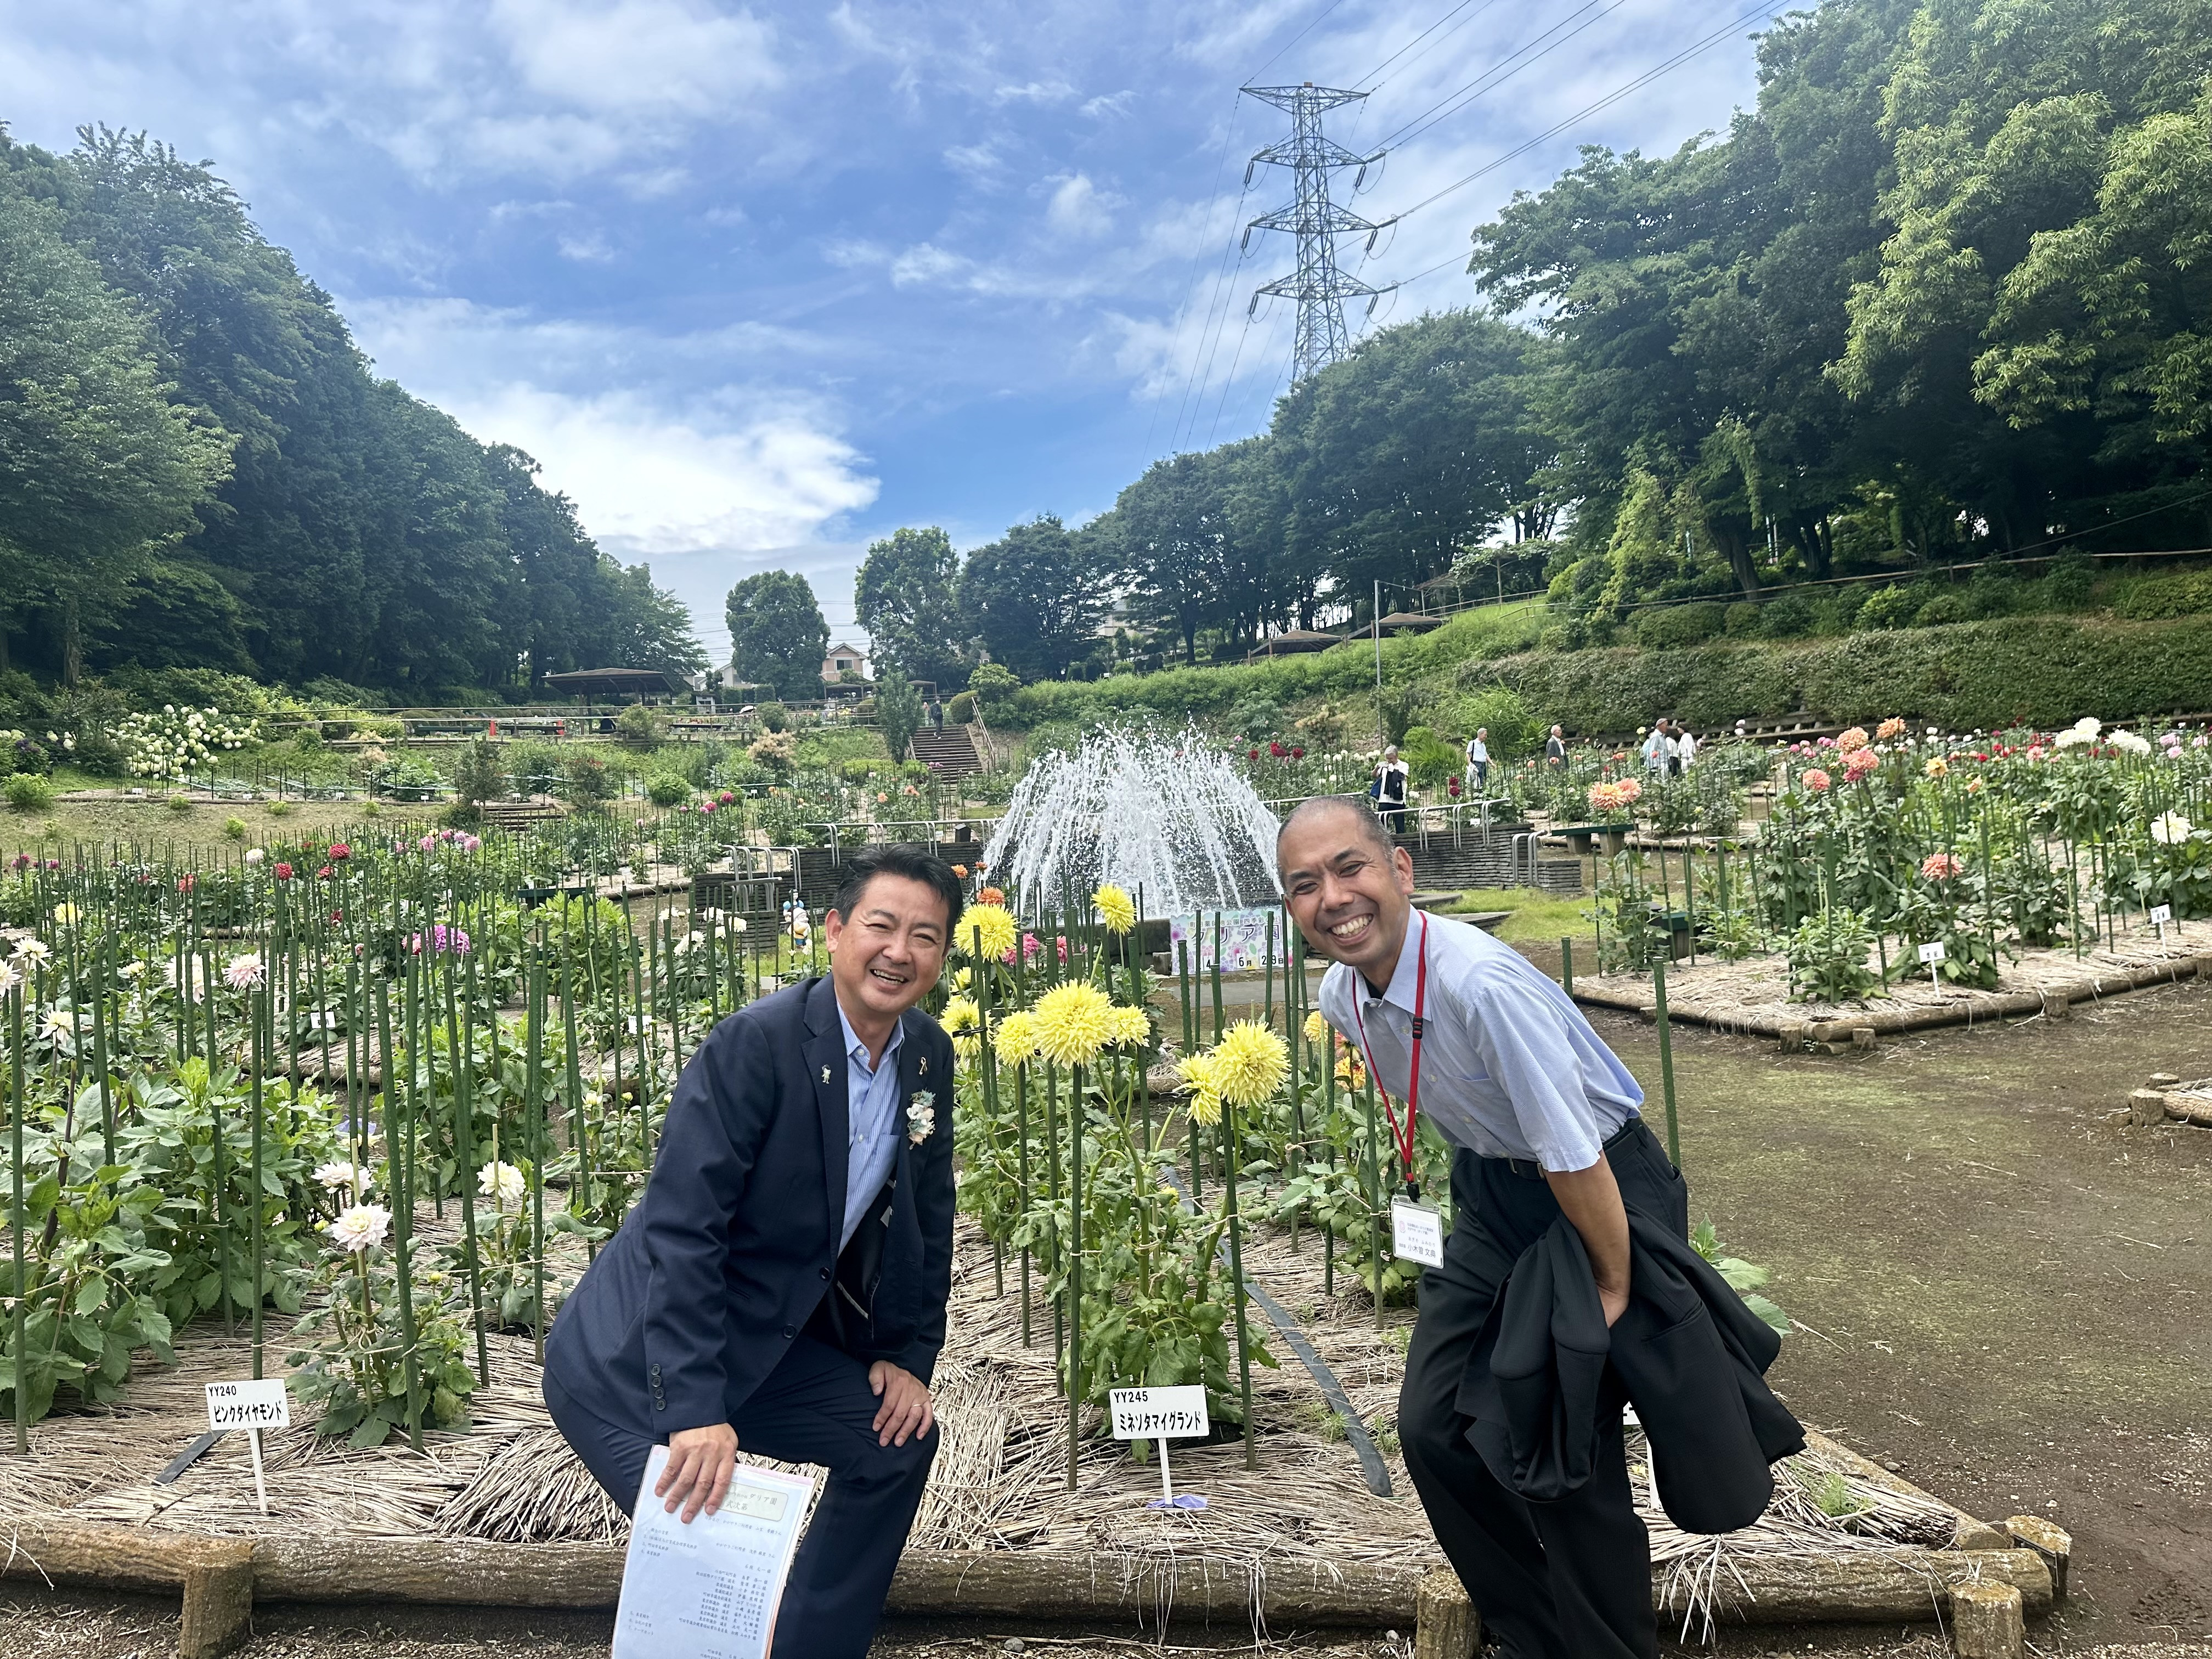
253, 1404
2161, 915
261, 1403
1177, 1412
1159, 1415
1931, 954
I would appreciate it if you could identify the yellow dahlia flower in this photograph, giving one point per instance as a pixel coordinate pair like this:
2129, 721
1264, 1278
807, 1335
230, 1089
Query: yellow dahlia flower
1936, 767
1132, 1027
1074, 1022
960, 1015
965, 1049
1118, 909
988, 931
1316, 1027
1016, 1039
1249, 1063
1205, 1099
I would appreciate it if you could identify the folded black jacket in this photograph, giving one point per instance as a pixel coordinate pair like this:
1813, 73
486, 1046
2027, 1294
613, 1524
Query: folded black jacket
1690, 1355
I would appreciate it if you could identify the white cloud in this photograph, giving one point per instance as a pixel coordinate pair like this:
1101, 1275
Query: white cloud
1079, 208
926, 263
738, 475
589, 248
1034, 91
638, 57
977, 163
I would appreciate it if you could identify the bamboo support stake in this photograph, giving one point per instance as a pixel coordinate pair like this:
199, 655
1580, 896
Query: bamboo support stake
16, 1223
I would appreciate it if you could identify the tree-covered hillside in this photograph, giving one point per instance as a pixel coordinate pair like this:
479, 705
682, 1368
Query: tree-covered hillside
1943, 295
199, 469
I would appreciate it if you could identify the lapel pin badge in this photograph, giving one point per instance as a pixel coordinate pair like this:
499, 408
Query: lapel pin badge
826, 1073
922, 1069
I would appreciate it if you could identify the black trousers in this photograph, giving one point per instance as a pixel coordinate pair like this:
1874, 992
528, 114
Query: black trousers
814, 1407
1567, 1580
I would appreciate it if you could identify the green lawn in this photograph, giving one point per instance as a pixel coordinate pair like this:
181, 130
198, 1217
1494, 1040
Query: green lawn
1538, 918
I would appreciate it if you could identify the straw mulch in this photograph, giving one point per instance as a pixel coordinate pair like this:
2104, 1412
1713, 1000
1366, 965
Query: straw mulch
999, 1481
1757, 989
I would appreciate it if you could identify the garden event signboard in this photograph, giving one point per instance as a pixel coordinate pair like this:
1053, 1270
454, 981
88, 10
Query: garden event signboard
253, 1404
1161, 1414
1243, 937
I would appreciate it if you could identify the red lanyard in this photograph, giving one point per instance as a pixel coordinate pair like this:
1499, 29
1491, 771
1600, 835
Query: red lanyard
1403, 1133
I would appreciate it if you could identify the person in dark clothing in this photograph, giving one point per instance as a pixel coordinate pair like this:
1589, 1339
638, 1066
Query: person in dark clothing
783, 1282
1388, 790
1544, 1123
1555, 749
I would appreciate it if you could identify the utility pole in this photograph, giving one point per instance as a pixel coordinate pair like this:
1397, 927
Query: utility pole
1319, 287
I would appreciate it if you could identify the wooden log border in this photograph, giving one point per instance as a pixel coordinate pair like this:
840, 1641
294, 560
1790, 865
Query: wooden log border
221, 1578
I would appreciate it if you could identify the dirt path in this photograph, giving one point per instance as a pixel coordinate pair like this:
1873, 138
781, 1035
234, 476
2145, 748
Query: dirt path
2014, 1294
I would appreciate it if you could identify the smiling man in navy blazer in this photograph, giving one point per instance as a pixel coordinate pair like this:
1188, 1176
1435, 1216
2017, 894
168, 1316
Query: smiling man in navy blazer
781, 1284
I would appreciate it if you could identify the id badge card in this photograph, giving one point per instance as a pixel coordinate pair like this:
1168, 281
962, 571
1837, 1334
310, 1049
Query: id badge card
1417, 1233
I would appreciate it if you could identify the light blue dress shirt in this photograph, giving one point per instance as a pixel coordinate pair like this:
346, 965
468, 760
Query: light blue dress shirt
873, 1106
1509, 1068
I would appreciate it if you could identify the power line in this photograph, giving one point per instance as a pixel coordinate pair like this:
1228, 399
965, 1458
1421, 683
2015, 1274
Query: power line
1695, 49
1201, 354
1294, 40
1375, 74
1198, 249
1502, 72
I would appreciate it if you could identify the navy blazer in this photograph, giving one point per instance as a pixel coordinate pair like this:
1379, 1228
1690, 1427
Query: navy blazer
732, 1247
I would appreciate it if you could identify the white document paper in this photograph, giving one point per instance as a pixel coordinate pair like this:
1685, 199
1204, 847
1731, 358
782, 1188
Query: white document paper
1417, 1234
710, 1589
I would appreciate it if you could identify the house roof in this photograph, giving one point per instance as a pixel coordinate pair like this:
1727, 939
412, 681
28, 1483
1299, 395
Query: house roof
841, 649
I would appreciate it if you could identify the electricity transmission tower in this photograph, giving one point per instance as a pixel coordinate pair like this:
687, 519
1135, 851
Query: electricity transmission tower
1319, 287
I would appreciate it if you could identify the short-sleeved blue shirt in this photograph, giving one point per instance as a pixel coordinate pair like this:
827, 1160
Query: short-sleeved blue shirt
1509, 1068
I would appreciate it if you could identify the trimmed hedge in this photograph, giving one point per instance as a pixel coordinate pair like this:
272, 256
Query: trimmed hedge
2043, 669
1175, 693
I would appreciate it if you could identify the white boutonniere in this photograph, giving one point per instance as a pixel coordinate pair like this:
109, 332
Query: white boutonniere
920, 1116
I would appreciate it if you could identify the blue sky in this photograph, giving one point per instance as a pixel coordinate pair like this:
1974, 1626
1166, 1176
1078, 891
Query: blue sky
759, 283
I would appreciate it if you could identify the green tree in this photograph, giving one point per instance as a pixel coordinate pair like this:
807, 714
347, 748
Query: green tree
99, 469
1408, 451
907, 596
777, 637
898, 710
1035, 596
643, 626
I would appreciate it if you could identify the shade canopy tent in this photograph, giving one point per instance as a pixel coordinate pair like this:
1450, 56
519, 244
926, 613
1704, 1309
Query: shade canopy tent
1292, 641
1409, 621
614, 683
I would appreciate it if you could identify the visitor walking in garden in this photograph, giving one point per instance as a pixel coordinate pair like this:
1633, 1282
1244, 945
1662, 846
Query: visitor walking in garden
781, 1285
1388, 790
1555, 749
1568, 1251
1686, 749
1657, 747
1478, 763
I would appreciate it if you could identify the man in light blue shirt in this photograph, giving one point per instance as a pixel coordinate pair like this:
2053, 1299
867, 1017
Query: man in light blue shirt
1546, 1124
872, 1089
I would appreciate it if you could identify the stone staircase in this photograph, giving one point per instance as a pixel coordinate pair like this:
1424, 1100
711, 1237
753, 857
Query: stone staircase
948, 752
517, 814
